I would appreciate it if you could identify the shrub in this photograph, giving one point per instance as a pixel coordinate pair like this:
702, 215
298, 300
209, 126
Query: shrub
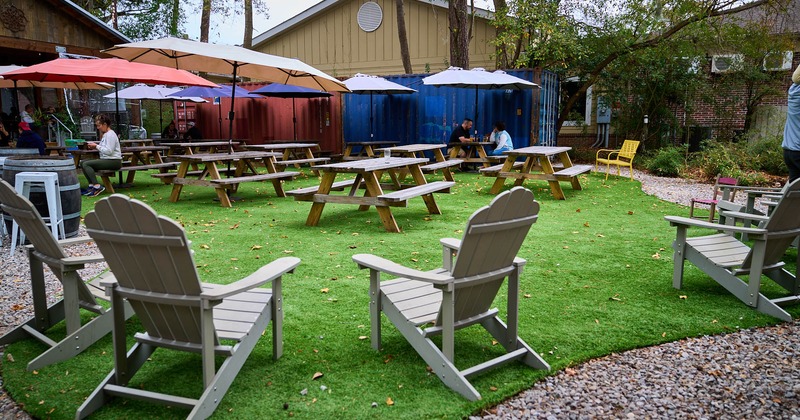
666, 161
719, 158
766, 155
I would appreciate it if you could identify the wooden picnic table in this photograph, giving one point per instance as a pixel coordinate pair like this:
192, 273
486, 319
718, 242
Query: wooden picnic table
537, 159
137, 142
475, 152
244, 172
367, 149
192, 147
416, 150
292, 154
369, 172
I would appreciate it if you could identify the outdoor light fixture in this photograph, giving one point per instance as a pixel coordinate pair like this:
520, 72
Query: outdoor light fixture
646, 119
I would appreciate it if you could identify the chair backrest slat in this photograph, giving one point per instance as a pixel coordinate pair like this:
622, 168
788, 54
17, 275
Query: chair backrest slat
628, 149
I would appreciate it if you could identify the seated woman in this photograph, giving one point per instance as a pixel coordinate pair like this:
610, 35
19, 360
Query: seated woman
501, 139
170, 133
110, 155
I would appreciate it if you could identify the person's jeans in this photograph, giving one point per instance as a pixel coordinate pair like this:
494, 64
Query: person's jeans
792, 159
90, 166
500, 151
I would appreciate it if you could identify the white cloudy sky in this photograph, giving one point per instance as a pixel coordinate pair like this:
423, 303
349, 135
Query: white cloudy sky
228, 30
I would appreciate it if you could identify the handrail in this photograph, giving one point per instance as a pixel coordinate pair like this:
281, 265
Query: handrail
58, 126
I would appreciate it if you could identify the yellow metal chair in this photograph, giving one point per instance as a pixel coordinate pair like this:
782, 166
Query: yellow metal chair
618, 157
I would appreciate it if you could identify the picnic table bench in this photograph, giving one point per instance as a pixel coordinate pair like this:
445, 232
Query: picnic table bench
105, 175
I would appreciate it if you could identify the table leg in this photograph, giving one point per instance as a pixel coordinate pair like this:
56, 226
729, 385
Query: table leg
316, 208
368, 150
177, 186
439, 157
384, 212
310, 155
555, 187
277, 184
454, 151
222, 194
419, 179
348, 150
135, 159
482, 155
507, 166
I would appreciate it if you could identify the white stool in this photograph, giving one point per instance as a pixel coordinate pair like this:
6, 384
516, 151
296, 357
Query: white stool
49, 180
3, 232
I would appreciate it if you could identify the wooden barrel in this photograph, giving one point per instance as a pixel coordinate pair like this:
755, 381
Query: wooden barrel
9, 152
68, 184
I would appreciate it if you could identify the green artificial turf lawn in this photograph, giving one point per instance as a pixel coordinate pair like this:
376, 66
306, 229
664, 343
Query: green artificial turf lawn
598, 280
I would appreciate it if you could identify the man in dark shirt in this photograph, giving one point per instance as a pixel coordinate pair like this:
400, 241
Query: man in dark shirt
28, 139
193, 133
461, 134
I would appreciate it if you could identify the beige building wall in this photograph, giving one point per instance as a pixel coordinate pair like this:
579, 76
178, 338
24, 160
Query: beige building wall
333, 42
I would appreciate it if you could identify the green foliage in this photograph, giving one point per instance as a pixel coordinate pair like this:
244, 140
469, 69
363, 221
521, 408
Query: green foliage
667, 161
597, 281
767, 155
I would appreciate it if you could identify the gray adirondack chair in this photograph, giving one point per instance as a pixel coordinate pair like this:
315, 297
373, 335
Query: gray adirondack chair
78, 295
724, 258
460, 293
156, 274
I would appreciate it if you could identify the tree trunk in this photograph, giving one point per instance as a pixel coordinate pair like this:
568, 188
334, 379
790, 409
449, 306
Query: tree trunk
403, 36
173, 22
501, 52
459, 33
205, 21
247, 42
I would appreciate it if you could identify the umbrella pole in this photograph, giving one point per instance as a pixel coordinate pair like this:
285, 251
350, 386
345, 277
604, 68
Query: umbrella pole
476, 114
16, 100
219, 111
160, 118
371, 135
116, 102
231, 114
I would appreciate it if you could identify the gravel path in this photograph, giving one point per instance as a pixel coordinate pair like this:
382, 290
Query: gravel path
747, 374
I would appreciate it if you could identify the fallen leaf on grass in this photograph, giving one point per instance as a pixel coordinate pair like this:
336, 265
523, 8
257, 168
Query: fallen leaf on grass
204, 246
234, 259
526, 295
316, 376
664, 334
684, 297
586, 224
287, 251
236, 226
9, 357
324, 290
656, 256
362, 337
389, 401
255, 247
492, 388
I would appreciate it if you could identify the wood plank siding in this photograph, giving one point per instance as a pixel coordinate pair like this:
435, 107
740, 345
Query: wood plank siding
42, 25
333, 42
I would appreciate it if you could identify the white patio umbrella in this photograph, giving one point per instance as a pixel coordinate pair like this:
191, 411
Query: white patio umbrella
158, 93
226, 59
367, 84
477, 78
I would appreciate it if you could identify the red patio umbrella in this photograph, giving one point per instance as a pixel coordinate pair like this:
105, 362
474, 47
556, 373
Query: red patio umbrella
112, 70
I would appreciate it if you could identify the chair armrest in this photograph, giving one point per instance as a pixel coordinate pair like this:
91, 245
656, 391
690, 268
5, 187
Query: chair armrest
685, 221
607, 151
75, 240
452, 243
261, 276
84, 259
374, 262
737, 215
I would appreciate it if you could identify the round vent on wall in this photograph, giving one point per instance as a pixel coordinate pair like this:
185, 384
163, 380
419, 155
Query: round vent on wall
370, 16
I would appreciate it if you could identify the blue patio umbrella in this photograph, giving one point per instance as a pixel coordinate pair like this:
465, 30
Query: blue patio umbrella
279, 90
221, 91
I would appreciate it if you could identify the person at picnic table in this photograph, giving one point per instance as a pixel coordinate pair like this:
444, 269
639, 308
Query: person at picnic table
26, 116
171, 132
5, 136
501, 139
28, 139
110, 155
193, 133
461, 134
791, 131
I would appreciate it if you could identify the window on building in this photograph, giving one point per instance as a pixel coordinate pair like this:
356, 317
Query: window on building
581, 113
